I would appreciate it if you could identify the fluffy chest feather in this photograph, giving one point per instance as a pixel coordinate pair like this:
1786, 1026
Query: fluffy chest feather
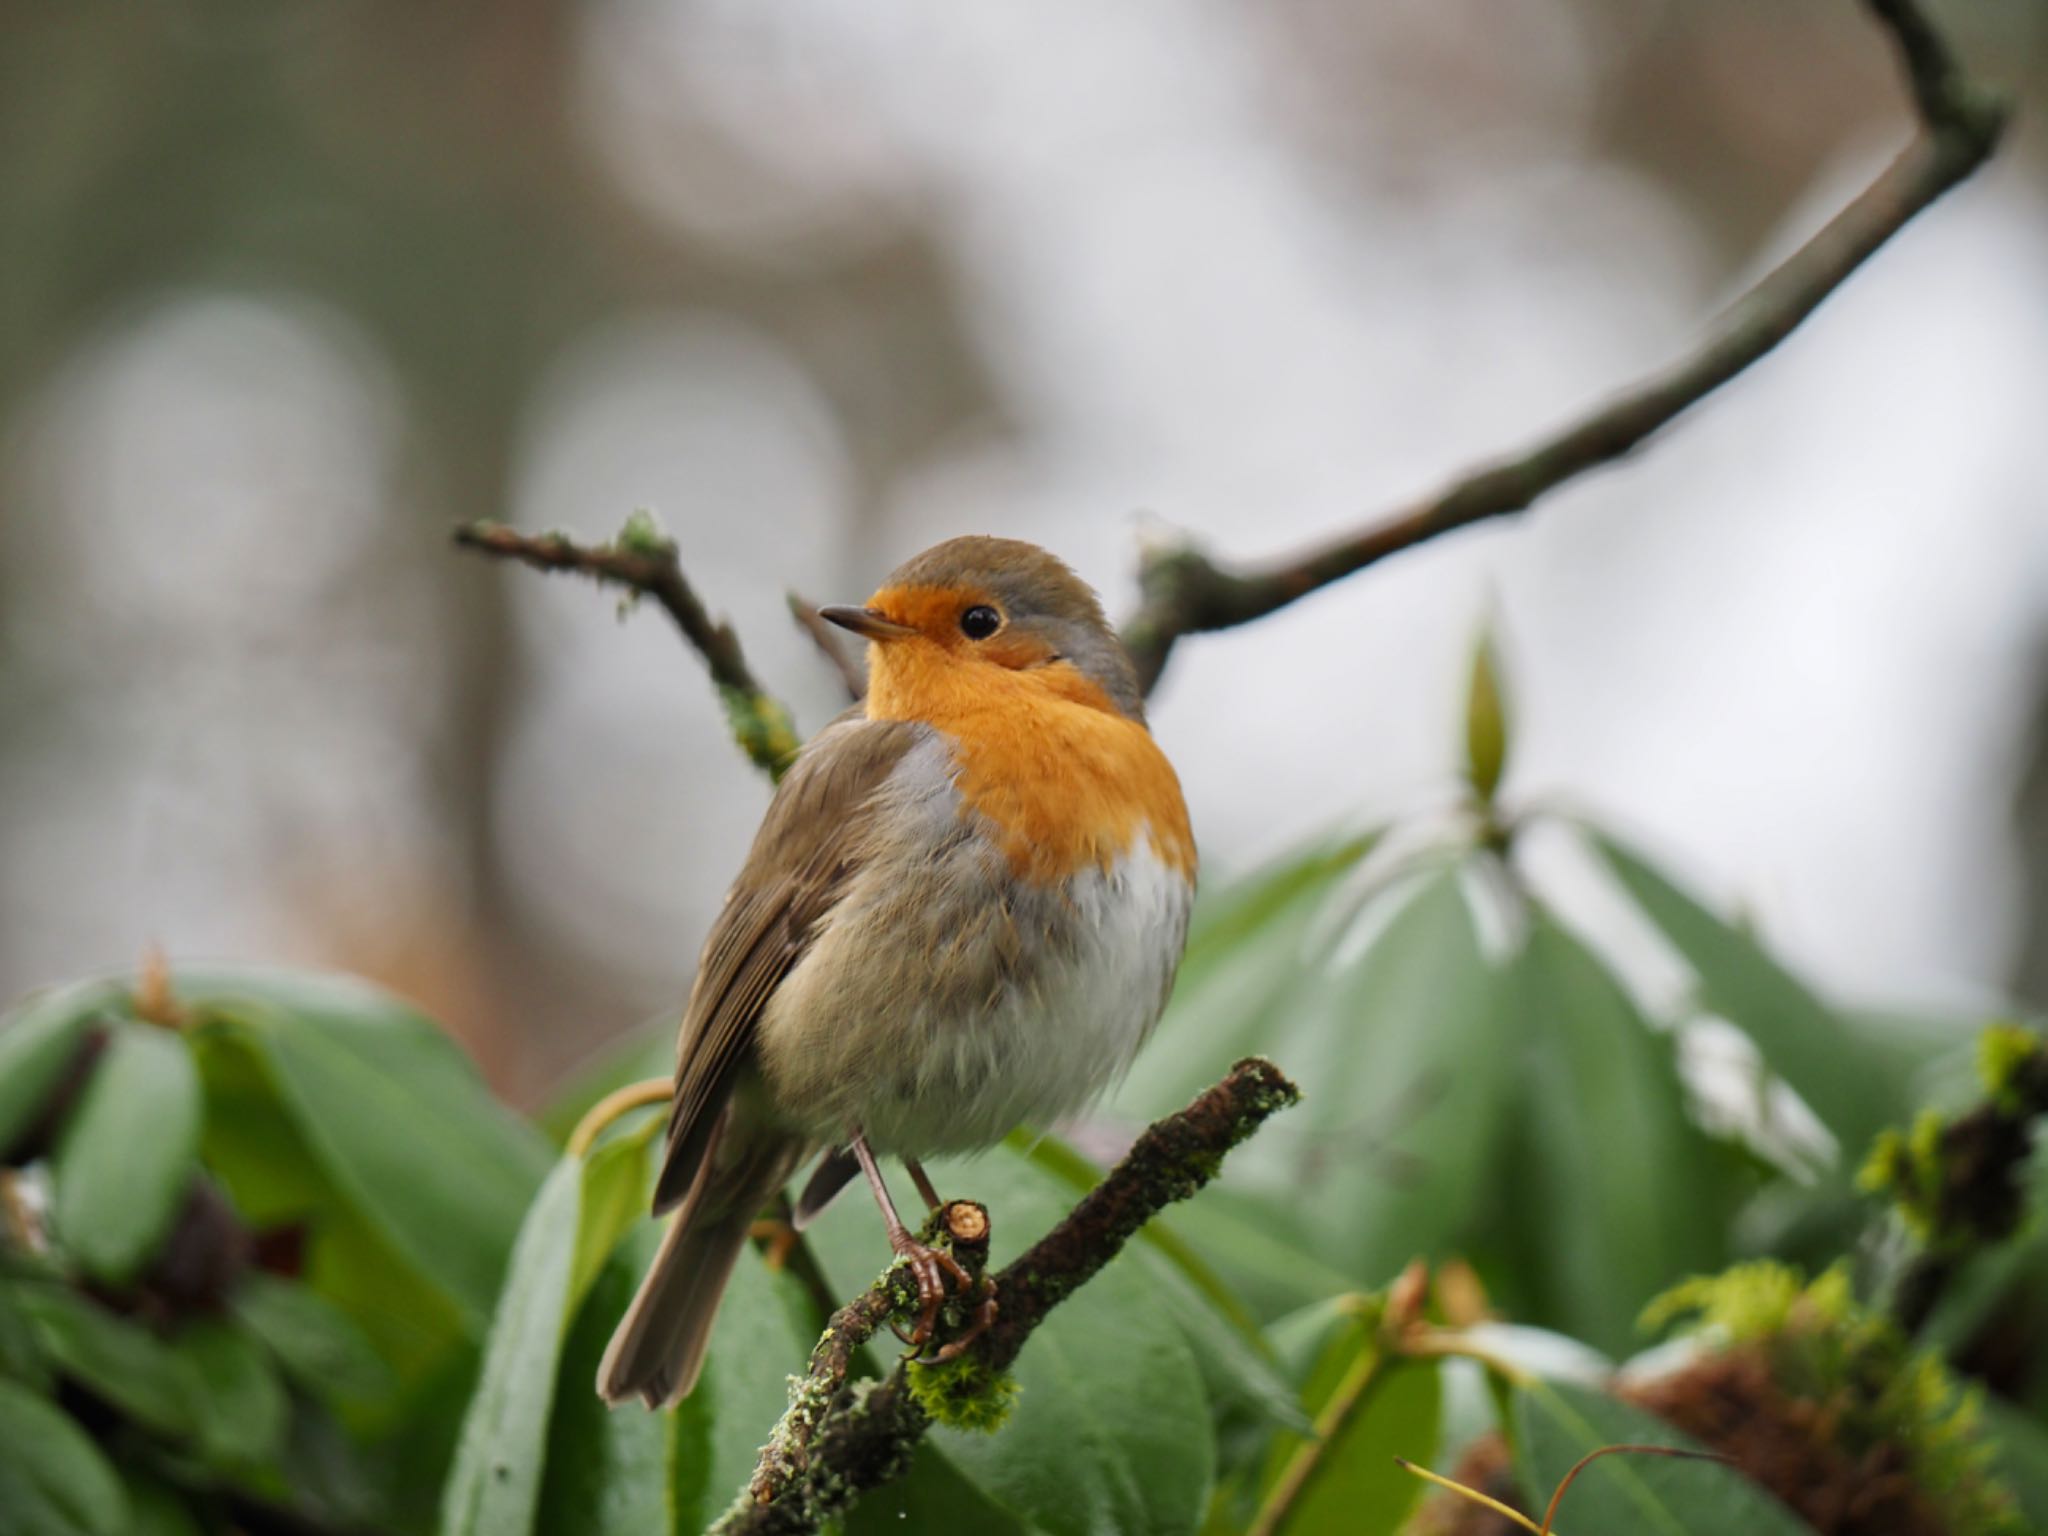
1062, 779
956, 992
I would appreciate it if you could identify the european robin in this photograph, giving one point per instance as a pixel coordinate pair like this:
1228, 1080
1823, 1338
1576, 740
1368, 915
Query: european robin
962, 913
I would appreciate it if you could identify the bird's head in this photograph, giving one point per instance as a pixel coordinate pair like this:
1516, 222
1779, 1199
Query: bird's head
971, 608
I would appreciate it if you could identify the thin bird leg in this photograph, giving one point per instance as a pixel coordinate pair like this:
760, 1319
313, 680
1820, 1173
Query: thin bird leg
929, 1266
985, 1314
923, 1181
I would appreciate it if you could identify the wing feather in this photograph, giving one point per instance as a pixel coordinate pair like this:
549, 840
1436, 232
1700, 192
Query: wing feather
810, 843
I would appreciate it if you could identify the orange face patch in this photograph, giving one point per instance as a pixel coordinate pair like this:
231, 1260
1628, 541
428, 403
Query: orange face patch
935, 612
1066, 780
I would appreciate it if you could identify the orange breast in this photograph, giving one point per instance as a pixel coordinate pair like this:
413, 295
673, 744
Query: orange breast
1066, 780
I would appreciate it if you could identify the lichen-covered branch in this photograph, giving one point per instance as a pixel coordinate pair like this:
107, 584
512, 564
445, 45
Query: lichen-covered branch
642, 562
839, 1440
1184, 592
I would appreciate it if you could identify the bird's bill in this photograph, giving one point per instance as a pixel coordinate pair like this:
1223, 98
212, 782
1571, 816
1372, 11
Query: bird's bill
865, 622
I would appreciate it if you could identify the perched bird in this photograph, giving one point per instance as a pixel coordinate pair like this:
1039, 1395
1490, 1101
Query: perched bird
962, 913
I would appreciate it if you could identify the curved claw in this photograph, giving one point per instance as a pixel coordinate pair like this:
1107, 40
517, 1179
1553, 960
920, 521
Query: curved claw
931, 1268
984, 1319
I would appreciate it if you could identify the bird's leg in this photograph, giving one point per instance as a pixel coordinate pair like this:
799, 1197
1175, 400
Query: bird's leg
985, 1313
923, 1181
929, 1266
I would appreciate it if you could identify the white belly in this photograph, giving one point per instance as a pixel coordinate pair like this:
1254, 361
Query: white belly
941, 1023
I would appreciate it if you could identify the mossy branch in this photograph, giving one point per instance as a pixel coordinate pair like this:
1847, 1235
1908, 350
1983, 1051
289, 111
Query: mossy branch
1185, 592
837, 1441
642, 561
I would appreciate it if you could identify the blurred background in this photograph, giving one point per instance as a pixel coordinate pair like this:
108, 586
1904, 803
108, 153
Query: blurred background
285, 292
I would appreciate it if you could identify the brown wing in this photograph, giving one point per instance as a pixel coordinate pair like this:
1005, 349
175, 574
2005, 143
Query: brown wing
810, 842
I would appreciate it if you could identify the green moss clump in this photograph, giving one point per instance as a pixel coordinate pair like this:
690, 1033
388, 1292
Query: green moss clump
1826, 1348
964, 1393
2006, 1055
1908, 1169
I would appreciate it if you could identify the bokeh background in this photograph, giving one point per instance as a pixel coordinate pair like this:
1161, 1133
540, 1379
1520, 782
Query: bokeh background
287, 291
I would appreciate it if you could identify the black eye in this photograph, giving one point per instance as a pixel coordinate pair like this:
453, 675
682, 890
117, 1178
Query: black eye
980, 621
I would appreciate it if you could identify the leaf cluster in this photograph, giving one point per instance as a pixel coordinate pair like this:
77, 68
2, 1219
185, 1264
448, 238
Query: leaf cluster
271, 1249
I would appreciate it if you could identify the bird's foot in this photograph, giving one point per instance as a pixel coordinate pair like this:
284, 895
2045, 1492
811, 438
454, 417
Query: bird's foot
984, 1319
931, 1269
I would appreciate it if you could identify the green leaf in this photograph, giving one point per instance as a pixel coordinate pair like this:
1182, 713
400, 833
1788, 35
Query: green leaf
1408, 1079
615, 1195
607, 1472
242, 1411
37, 1042
127, 1153
495, 1484
116, 1359
1238, 1369
1609, 1175
2020, 1447
1801, 1040
1349, 1481
250, 1142
1242, 1384
315, 1342
394, 1116
1252, 946
412, 1324
254, 1145
1109, 1432
21, 1352
933, 1496
154, 1509
566, 1240
1232, 1230
53, 1480
633, 1472
1398, 1043
1160, 1241
1622, 1495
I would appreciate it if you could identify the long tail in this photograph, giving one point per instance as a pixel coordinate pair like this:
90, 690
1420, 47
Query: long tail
658, 1349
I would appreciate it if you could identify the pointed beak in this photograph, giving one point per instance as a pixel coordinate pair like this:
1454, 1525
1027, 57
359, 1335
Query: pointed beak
865, 622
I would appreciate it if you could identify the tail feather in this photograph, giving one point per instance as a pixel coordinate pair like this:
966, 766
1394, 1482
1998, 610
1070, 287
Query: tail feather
658, 1349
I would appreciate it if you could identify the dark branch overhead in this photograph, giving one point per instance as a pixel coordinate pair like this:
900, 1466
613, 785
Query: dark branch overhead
1184, 592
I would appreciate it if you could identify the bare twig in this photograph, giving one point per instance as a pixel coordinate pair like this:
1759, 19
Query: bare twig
642, 561
1184, 592
851, 1439
829, 641
1585, 1461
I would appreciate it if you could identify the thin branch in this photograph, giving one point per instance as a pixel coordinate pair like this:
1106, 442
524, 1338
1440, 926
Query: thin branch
830, 642
850, 1439
1185, 593
642, 562
1676, 1453
962, 1227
